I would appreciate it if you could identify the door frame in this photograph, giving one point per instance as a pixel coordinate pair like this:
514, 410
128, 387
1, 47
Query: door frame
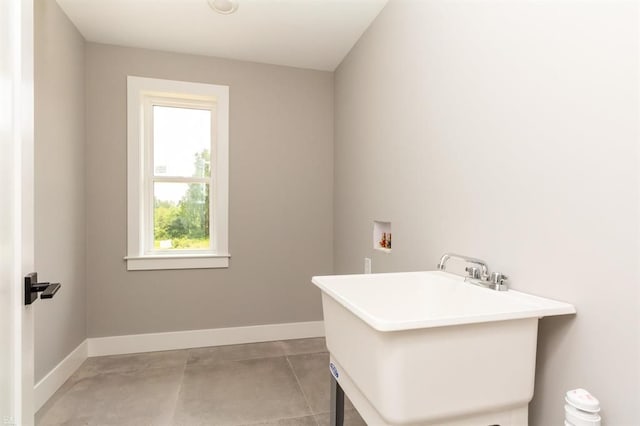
16, 218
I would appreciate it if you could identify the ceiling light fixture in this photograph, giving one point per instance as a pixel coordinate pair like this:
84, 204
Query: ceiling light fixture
224, 7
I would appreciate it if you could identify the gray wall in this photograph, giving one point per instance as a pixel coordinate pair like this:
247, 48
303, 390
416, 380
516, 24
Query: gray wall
506, 131
60, 323
281, 181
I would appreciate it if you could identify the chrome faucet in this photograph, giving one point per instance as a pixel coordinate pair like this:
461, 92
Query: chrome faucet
478, 276
473, 272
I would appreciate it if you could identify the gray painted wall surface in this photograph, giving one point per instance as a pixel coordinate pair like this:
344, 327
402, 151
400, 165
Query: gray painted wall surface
60, 323
280, 217
506, 131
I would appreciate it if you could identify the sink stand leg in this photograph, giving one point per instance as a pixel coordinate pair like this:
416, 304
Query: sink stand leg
337, 403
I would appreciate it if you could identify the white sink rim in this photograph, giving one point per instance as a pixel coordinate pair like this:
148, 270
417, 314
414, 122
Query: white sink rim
354, 292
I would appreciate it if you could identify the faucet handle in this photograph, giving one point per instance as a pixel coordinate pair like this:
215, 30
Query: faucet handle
498, 278
473, 272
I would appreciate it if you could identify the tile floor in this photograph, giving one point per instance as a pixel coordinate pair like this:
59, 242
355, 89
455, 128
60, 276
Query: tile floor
282, 383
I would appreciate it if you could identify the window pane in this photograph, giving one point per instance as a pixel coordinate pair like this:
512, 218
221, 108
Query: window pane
180, 216
181, 141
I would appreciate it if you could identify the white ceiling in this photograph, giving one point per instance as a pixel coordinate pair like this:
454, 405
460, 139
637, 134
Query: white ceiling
314, 34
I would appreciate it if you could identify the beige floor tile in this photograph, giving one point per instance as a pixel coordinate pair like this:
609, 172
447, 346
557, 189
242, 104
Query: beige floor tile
312, 371
297, 421
208, 356
304, 346
131, 362
72, 422
142, 397
351, 418
251, 384
239, 392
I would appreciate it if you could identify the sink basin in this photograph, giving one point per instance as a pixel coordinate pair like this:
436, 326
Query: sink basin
427, 348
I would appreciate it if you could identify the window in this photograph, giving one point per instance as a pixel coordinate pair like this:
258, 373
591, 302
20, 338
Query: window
177, 161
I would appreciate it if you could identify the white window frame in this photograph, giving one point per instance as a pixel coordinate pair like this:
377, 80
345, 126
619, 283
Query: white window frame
142, 94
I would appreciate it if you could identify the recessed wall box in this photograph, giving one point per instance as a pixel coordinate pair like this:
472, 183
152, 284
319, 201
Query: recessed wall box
382, 240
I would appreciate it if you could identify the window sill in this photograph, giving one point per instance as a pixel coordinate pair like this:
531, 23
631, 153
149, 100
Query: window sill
177, 261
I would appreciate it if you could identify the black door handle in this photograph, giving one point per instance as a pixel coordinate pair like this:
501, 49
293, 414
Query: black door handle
50, 291
32, 287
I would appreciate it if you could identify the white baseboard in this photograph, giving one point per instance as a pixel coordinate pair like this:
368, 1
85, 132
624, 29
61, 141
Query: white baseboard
49, 384
99, 346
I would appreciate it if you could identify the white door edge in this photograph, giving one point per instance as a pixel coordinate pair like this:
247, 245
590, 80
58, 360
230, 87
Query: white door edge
16, 216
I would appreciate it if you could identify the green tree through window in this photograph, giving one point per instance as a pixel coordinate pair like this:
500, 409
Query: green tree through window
185, 224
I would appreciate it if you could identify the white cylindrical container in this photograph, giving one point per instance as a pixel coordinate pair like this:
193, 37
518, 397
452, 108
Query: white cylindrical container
581, 409
583, 400
578, 417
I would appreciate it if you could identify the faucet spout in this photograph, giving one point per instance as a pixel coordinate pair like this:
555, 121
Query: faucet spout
443, 261
442, 265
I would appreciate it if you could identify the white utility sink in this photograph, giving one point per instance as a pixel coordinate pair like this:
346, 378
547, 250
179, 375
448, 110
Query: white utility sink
427, 348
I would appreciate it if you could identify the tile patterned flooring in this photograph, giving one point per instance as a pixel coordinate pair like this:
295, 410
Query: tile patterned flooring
282, 383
